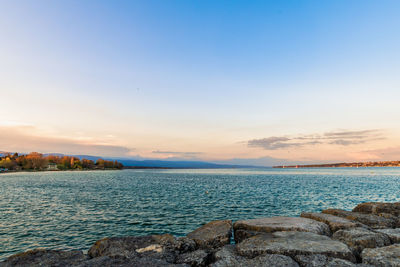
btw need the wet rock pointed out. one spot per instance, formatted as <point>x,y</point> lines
<point>394,234</point>
<point>379,207</point>
<point>152,246</point>
<point>359,238</point>
<point>275,224</point>
<point>41,257</point>
<point>227,257</point>
<point>335,223</point>
<point>372,220</point>
<point>384,256</point>
<point>212,235</point>
<point>292,244</point>
<point>198,258</point>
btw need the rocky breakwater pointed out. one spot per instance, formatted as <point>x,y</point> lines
<point>366,236</point>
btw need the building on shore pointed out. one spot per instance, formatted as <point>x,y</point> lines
<point>52,167</point>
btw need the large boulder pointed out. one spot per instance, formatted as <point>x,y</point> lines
<point>248,228</point>
<point>227,257</point>
<point>360,238</point>
<point>212,235</point>
<point>371,220</point>
<point>153,246</point>
<point>379,207</point>
<point>318,260</point>
<point>292,244</point>
<point>198,258</point>
<point>335,223</point>
<point>106,261</point>
<point>385,256</point>
<point>41,257</point>
<point>394,234</point>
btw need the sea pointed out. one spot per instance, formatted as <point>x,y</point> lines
<point>73,209</point>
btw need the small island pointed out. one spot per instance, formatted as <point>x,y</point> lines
<point>38,162</point>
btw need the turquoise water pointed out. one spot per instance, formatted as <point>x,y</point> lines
<point>74,209</point>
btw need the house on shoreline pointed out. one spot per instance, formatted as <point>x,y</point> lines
<point>52,167</point>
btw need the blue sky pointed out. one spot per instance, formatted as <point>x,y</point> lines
<point>204,77</point>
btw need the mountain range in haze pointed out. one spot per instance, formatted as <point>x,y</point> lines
<point>154,163</point>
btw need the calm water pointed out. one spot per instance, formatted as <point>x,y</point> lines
<point>74,209</point>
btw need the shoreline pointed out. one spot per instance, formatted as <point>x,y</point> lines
<point>368,234</point>
<point>72,170</point>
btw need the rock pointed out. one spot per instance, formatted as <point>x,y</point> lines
<point>241,235</point>
<point>384,256</point>
<point>198,258</point>
<point>319,260</point>
<point>185,244</point>
<point>379,207</point>
<point>270,260</point>
<point>152,246</point>
<point>212,235</point>
<point>106,261</point>
<point>41,257</point>
<point>335,223</point>
<point>226,257</point>
<point>372,220</point>
<point>394,234</point>
<point>292,244</point>
<point>359,238</point>
<point>275,224</point>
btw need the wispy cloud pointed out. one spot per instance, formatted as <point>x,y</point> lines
<point>27,139</point>
<point>342,138</point>
<point>177,153</point>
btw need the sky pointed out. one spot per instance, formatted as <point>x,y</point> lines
<point>263,82</point>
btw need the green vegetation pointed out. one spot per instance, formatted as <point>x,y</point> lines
<point>38,162</point>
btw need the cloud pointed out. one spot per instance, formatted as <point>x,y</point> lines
<point>177,153</point>
<point>342,138</point>
<point>26,139</point>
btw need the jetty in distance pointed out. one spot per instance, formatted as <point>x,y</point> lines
<point>347,165</point>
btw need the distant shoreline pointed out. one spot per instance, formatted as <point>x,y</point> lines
<point>346,165</point>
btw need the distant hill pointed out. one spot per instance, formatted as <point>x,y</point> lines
<point>150,163</point>
<point>176,164</point>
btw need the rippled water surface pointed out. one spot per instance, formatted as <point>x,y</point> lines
<point>74,209</point>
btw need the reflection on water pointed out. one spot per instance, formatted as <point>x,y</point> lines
<point>74,209</point>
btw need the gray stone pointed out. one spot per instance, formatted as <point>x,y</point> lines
<point>152,246</point>
<point>241,235</point>
<point>359,238</point>
<point>198,258</point>
<point>335,223</point>
<point>227,257</point>
<point>319,260</point>
<point>371,220</point>
<point>212,235</point>
<point>394,234</point>
<point>292,244</point>
<point>106,261</point>
<point>385,256</point>
<point>275,224</point>
<point>41,257</point>
<point>379,207</point>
